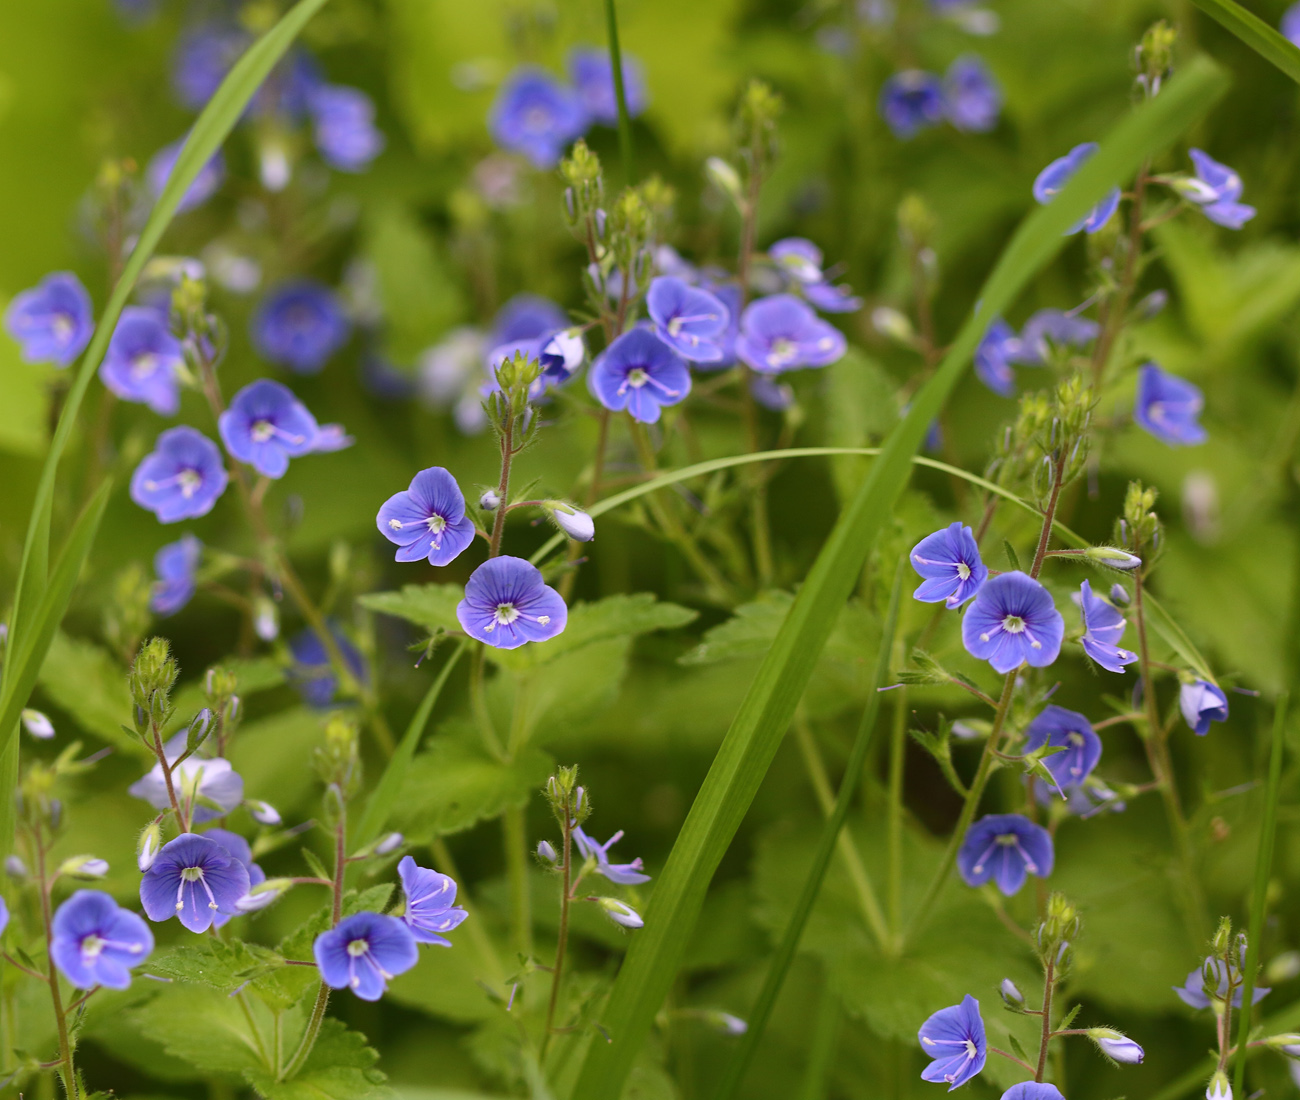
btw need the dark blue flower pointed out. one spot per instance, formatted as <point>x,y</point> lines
<point>94,941</point>
<point>143,361</point>
<point>300,325</point>
<point>427,519</point>
<point>312,674</point>
<point>911,101</point>
<point>1168,406</point>
<point>625,874</point>
<point>526,317</point>
<point>592,73</point>
<point>1221,188</point>
<point>1202,703</point>
<point>954,1038</point>
<point>507,604</point>
<point>1052,180</point>
<point>52,321</point>
<point>193,879</point>
<point>949,560</point>
<point>972,98</point>
<point>534,114</point>
<point>994,356</point>
<point>174,565</point>
<point>1073,734</point>
<point>1103,627</point>
<point>640,373</point>
<point>211,176</point>
<point>431,907</point>
<point>801,262</point>
<point>344,127</point>
<point>1192,992</point>
<point>1050,327</point>
<point>204,55</point>
<point>1005,848</point>
<point>781,333</point>
<point>364,952</point>
<point>181,478</point>
<point>1012,621</point>
<point>266,425</point>
<point>689,320</point>
<point>1033,1090</point>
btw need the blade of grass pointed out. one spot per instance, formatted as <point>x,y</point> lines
<point>1258,35</point>
<point>821,860</point>
<point>620,91</point>
<point>759,726</point>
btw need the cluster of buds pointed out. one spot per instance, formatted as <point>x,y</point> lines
<point>1047,446</point>
<point>153,674</point>
<point>203,335</point>
<point>508,409</point>
<point>584,193</point>
<point>338,763</point>
<point>219,686</point>
<point>916,228</point>
<point>1139,527</point>
<point>1058,930</point>
<point>756,127</point>
<point>1153,58</point>
<point>568,801</point>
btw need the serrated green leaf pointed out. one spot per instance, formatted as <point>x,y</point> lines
<point>203,1027</point>
<point>431,606</point>
<point>341,1066</point>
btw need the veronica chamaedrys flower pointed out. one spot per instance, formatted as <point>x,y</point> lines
<point>1168,406</point>
<point>1005,848</point>
<point>238,847</point>
<point>1073,734</point>
<point>574,522</point>
<point>174,566</point>
<point>561,354</point>
<point>625,874</point>
<point>343,127</point>
<point>266,425</point>
<point>1052,180</point>
<point>193,879</point>
<point>689,320</point>
<point>950,562</point>
<point>143,361</point>
<point>299,325</point>
<point>204,55</point>
<point>1116,1045</point>
<point>37,724</point>
<point>1202,703</point>
<point>592,73</point>
<point>364,952</point>
<point>211,778</point>
<point>507,604</point>
<point>1012,621</point>
<point>312,674</point>
<point>181,478</point>
<point>954,1038</point>
<point>1032,1090</point>
<point>431,907</point>
<point>640,373</point>
<point>1220,189</point>
<point>427,519</point>
<point>94,941</point>
<point>534,114</point>
<point>525,317</point>
<point>999,348</point>
<point>206,184</point>
<point>972,98</point>
<point>780,333</point>
<point>1103,627</point>
<point>1192,991</point>
<point>1053,327</point>
<point>800,261</point>
<point>911,101</point>
<point>52,321</point>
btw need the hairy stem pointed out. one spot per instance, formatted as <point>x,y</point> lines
<point>558,970</point>
<point>1049,983</point>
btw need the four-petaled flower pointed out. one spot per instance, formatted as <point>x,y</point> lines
<point>1193,991</point>
<point>181,478</point>
<point>972,98</point>
<point>344,127</point>
<point>781,333</point>
<point>94,941</point>
<point>507,604</point>
<point>1202,703</point>
<point>1103,627</point>
<point>142,361</point>
<point>534,114</point>
<point>238,847</point>
<point>363,952</point>
<point>1013,620</point>
<point>954,1038</point>
<point>300,325</point>
<point>911,101</point>
<point>1073,734</point>
<point>1052,180</point>
<point>266,425</point>
<point>689,320</point>
<point>999,348</point>
<point>52,321</point>
<point>625,874</point>
<point>193,879</point>
<point>431,907</point>
<point>1168,406</point>
<point>950,562</point>
<point>1220,188</point>
<point>592,73</point>
<point>1005,848</point>
<point>195,777</point>
<point>427,520</point>
<point>640,373</point>
<point>174,565</point>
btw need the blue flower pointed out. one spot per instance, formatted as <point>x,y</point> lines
<point>1033,1090</point>
<point>209,778</point>
<point>507,604</point>
<point>1202,703</point>
<point>174,565</point>
<point>312,674</point>
<point>771,394</point>
<point>1004,848</point>
<point>1050,327</point>
<point>1192,992</point>
<point>687,319</point>
<point>1221,190</point>
<point>972,98</point>
<point>625,874</point>
<point>363,952</point>
<point>427,520</point>
<point>94,941</point>
<point>1073,734</point>
<point>266,425</point>
<point>729,295</point>
<point>238,847</point>
<point>344,127</point>
<point>204,55</point>
<point>1168,406</point>
<point>1052,179</point>
<point>181,478</point>
<point>801,262</point>
<point>993,358</point>
<point>1290,26</point>
<point>431,907</point>
<point>52,321</point>
<point>781,333</point>
<point>1103,627</point>
<point>640,373</point>
<point>211,176</point>
<point>1012,621</point>
<point>592,73</point>
<point>526,317</point>
<point>193,879</point>
<point>534,114</point>
<point>300,325</point>
<point>954,1038</point>
<point>911,101</point>
<point>949,560</point>
<point>143,361</point>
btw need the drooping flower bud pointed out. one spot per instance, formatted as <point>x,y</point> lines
<point>266,619</point>
<point>88,867</point>
<point>263,894</point>
<point>146,849</point>
<point>389,843</point>
<point>1116,1045</point>
<point>620,912</point>
<point>1114,557</point>
<point>263,812</point>
<point>546,852</point>
<point>37,724</point>
<point>15,868</point>
<point>490,501</point>
<point>1288,1044</point>
<point>576,524</point>
<point>1011,995</point>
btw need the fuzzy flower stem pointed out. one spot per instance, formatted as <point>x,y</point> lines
<point>182,819</point>
<point>503,488</point>
<point>1049,985</point>
<point>561,945</point>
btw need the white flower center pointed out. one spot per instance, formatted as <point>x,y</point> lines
<point>144,365</point>
<point>506,613</point>
<point>262,431</point>
<point>190,483</point>
<point>783,350</point>
<point>91,946</point>
<point>636,378</point>
<point>963,570</point>
<point>1013,624</point>
<point>358,947</point>
<point>436,523</point>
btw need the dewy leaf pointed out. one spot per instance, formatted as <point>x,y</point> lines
<point>1258,35</point>
<point>747,750</point>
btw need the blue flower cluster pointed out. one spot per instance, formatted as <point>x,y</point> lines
<point>968,97</point>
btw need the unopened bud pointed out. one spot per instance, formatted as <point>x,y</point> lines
<point>84,867</point>
<point>146,850</point>
<point>1193,189</point>
<point>725,1021</point>
<point>1119,595</point>
<point>263,812</point>
<point>1113,556</point>
<point>490,501</point>
<point>546,852</point>
<point>893,324</point>
<point>389,844</point>
<point>37,724</point>
<point>15,868</point>
<point>726,179</point>
<point>1011,995</point>
<point>1218,1088</point>
<point>576,524</point>
<point>266,619</point>
<point>263,894</point>
<point>1288,1044</point>
<point>198,730</point>
<point>620,912</point>
<point>1116,1045</point>
<point>1282,968</point>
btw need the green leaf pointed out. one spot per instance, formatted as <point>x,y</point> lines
<point>747,750</point>
<point>1010,552</point>
<point>431,606</point>
<point>1258,35</point>
<point>203,1027</point>
<point>87,681</point>
<point>341,1066</point>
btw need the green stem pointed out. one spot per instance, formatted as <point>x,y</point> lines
<point>1049,982</point>
<point>478,703</point>
<point>514,836</point>
<point>620,92</point>
<point>897,753</point>
<point>821,1053</point>
<point>558,970</point>
<point>67,1070</point>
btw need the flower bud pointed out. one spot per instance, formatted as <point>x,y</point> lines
<point>15,868</point>
<point>893,324</point>
<point>37,724</point>
<point>1116,1045</point>
<point>263,894</point>
<point>724,1021</point>
<point>263,812</point>
<point>1288,1044</point>
<point>389,844</point>
<point>84,867</point>
<point>1011,995</point>
<point>266,618</point>
<point>1118,595</point>
<point>726,179</point>
<point>1152,305</point>
<point>146,849</point>
<point>546,852</point>
<point>198,730</point>
<point>490,501</point>
<point>620,913</point>
<point>576,524</point>
<point>1218,1088</point>
<point>1113,556</point>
